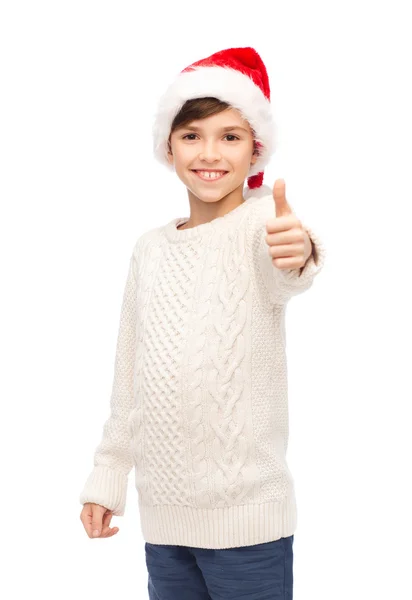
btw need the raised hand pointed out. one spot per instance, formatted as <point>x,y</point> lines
<point>288,241</point>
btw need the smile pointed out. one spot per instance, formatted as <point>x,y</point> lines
<point>210,175</point>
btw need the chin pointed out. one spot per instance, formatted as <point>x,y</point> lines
<point>211,195</point>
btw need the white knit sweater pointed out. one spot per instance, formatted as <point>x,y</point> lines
<point>199,404</point>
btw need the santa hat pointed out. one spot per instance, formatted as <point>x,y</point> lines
<point>237,76</point>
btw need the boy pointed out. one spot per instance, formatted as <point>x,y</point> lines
<point>199,399</point>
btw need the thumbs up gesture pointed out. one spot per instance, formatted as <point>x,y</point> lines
<point>288,241</point>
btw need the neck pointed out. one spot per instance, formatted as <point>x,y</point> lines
<point>202,211</point>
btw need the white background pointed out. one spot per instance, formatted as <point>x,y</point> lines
<point>79,86</point>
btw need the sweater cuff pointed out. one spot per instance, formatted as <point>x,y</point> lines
<point>107,487</point>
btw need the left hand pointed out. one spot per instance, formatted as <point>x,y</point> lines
<point>288,241</point>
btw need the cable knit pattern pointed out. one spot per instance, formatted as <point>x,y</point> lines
<point>226,383</point>
<point>199,403</point>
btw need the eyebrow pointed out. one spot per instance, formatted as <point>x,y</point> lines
<point>228,128</point>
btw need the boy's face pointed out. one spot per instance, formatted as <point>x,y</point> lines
<point>221,142</point>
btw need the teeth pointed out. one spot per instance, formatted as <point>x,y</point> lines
<point>211,174</point>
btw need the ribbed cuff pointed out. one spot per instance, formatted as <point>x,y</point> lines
<point>107,487</point>
<point>227,527</point>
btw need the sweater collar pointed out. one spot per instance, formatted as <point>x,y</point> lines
<point>228,220</point>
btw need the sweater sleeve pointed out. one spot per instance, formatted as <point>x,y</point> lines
<point>282,284</point>
<point>107,482</point>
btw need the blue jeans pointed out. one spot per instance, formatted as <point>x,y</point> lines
<point>259,572</point>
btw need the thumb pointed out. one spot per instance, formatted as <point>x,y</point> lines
<point>97,519</point>
<point>282,207</point>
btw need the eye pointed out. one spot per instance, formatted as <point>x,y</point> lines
<point>191,136</point>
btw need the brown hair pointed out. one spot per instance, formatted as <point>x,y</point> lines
<point>199,108</point>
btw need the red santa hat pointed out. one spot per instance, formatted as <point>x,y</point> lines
<point>237,76</point>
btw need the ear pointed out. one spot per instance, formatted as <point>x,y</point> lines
<point>254,158</point>
<point>169,154</point>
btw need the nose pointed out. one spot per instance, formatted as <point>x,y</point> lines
<point>209,152</point>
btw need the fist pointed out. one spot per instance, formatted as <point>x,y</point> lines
<point>288,241</point>
<point>96,520</point>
